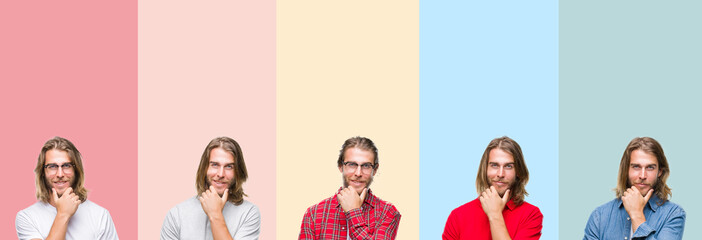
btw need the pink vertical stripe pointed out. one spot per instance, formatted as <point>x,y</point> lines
<point>69,69</point>
<point>206,69</point>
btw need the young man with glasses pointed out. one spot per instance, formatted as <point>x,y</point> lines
<point>219,211</point>
<point>354,212</point>
<point>63,210</point>
<point>500,211</point>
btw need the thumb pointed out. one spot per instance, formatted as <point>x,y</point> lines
<point>225,196</point>
<point>364,193</point>
<point>648,195</point>
<point>505,198</point>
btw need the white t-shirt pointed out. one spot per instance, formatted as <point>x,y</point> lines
<point>187,220</point>
<point>89,222</point>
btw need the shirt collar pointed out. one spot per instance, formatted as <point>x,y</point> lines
<point>510,205</point>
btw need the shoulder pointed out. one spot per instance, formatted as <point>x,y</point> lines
<point>672,207</point>
<point>528,207</point>
<point>189,205</point>
<point>31,212</point>
<point>324,204</point>
<point>606,210</point>
<point>386,206</point>
<point>93,207</point>
<point>37,207</point>
<point>468,208</point>
<point>245,208</point>
<point>614,203</point>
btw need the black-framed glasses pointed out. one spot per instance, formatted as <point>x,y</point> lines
<point>365,168</point>
<point>52,168</point>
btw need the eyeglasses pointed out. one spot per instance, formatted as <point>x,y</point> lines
<point>52,168</point>
<point>365,168</point>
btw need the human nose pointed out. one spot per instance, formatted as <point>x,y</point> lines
<point>358,171</point>
<point>59,172</point>
<point>642,174</point>
<point>501,172</point>
<point>220,172</point>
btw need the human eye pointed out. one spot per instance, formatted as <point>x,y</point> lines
<point>494,165</point>
<point>651,167</point>
<point>367,166</point>
<point>214,164</point>
<point>51,166</point>
<point>67,165</point>
<point>229,166</point>
<point>352,164</point>
<point>637,167</point>
<point>509,166</point>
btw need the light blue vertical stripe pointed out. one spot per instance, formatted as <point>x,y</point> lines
<point>487,69</point>
<point>628,69</point>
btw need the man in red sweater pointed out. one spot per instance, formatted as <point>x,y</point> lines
<point>500,211</point>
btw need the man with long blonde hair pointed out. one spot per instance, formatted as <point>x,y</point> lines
<point>63,210</point>
<point>642,209</point>
<point>500,211</point>
<point>219,211</point>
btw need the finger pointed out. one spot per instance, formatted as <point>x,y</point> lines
<point>363,194</point>
<point>648,195</point>
<point>69,190</point>
<point>225,195</point>
<point>53,190</point>
<point>505,198</point>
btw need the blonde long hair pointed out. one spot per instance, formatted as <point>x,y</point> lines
<point>518,189</point>
<point>650,146</point>
<point>42,185</point>
<point>236,191</point>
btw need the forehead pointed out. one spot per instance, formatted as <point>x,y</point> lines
<point>643,158</point>
<point>497,155</point>
<point>221,156</point>
<point>358,155</point>
<point>57,156</point>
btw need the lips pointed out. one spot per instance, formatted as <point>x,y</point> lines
<point>219,183</point>
<point>499,183</point>
<point>358,183</point>
<point>60,183</point>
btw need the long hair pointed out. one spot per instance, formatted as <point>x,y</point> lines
<point>236,191</point>
<point>360,143</point>
<point>518,189</point>
<point>650,146</point>
<point>42,185</point>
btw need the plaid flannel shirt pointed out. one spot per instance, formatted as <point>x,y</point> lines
<point>376,219</point>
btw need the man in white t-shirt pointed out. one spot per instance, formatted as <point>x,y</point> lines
<point>219,212</point>
<point>63,210</point>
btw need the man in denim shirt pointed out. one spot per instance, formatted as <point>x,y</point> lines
<point>641,209</point>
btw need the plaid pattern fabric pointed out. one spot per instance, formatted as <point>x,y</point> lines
<point>326,220</point>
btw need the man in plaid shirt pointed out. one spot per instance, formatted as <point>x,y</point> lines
<point>354,212</point>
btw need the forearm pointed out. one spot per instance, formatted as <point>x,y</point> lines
<point>59,228</point>
<point>498,229</point>
<point>360,229</point>
<point>637,220</point>
<point>219,228</point>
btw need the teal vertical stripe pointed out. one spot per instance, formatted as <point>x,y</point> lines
<point>627,69</point>
<point>487,69</point>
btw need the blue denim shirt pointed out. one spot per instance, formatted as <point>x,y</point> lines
<point>610,221</point>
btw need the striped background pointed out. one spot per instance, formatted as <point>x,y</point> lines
<point>141,87</point>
